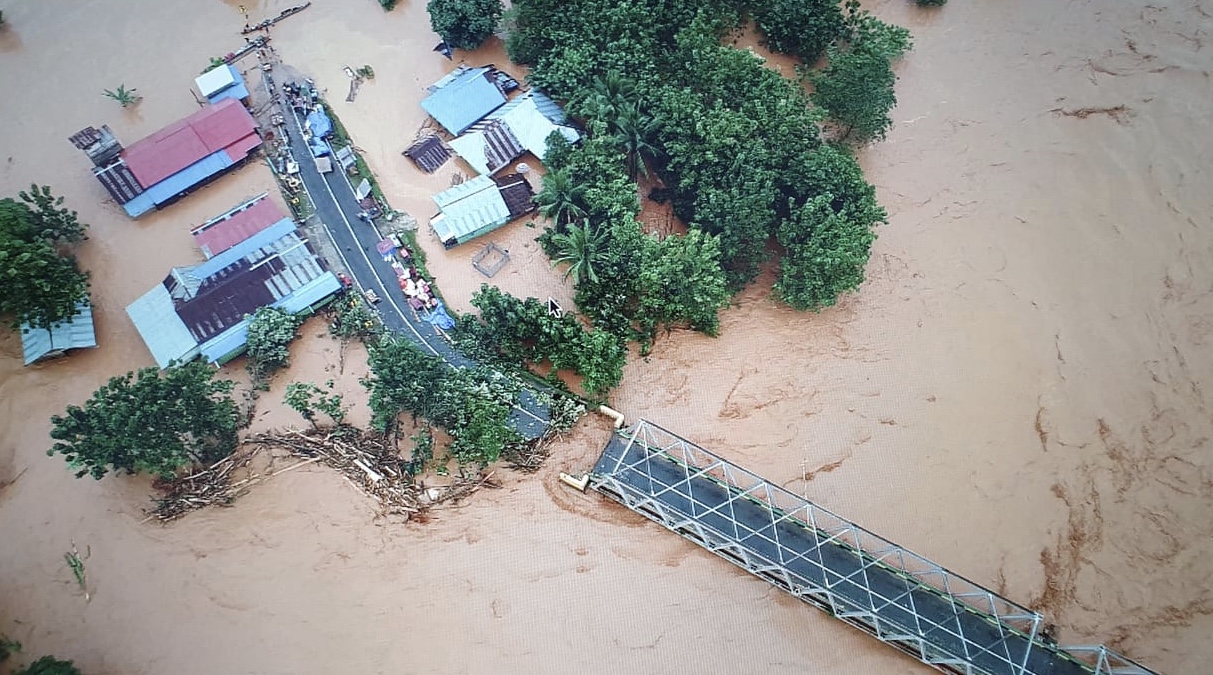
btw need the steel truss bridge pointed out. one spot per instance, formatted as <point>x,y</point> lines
<point>895,595</point>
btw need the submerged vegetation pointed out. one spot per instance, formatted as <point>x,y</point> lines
<point>735,147</point>
<point>125,97</point>
<point>464,24</point>
<point>40,282</point>
<point>149,422</point>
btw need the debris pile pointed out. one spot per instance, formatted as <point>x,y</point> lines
<point>368,461</point>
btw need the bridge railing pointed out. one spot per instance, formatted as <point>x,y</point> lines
<point>918,573</point>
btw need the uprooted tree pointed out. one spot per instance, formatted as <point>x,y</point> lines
<point>149,422</point>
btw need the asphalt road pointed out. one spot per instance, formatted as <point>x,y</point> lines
<point>334,199</point>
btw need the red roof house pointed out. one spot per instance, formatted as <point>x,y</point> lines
<point>223,232</point>
<point>227,126</point>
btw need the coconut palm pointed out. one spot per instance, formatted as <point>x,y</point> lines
<point>561,198</point>
<point>607,95</point>
<point>582,247</point>
<point>633,128</point>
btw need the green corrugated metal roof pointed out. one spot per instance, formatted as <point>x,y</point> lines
<point>469,210</point>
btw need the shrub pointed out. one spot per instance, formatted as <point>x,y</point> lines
<point>269,337</point>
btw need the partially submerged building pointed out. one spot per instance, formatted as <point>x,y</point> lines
<point>236,225</point>
<point>480,206</point>
<point>221,83</point>
<point>155,171</point>
<point>520,126</point>
<point>74,333</point>
<point>464,97</point>
<point>204,310</point>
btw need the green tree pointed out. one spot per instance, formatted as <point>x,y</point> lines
<point>149,422</point>
<point>307,399</point>
<point>49,665</point>
<point>464,24</point>
<point>53,222</point>
<point>826,253</point>
<point>606,97</point>
<point>866,31</point>
<point>803,28</point>
<point>634,130</point>
<point>682,281</point>
<point>39,282</point>
<point>561,198</point>
<point>353,318</point>
<point>404,378</point>
<point>931,3</point>
<point>269,338</point>
<point>581,247</point>
<point>856,90</point>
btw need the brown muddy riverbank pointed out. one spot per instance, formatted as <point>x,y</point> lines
<point>1017,392</point>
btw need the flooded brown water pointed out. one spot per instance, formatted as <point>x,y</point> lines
<point>1016,392</point>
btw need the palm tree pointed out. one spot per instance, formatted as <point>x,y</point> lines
<point>607,95</point>
<point>124,96</point>
<point>582,247</point>
<point>633,128</point>
<point>561,198</point>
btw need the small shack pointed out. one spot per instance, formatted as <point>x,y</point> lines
<point>222,82</point>
<point>478,207</point>
<point>75,333</point>
<point>428,153</point>
<point>463,98</point>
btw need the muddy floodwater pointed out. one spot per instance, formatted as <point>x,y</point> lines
<point>1018,391</point>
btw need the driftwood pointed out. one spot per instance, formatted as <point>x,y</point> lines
<point>211,486</point>
<point>367,461</point>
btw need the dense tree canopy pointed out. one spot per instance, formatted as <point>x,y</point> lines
<point>149,422</point>
<point>731,142</point>
<point>464,24</point>
<point>39,282</point>
<point>270,333</point>
<point>524,330</point>
<point>472,404</point>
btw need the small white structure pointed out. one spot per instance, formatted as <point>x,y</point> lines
<point>222,82</point>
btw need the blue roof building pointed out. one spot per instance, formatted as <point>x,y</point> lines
<point>521,125</point>
<point>75,333</point>
<point>204,309</point>
<point>463,98</point>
